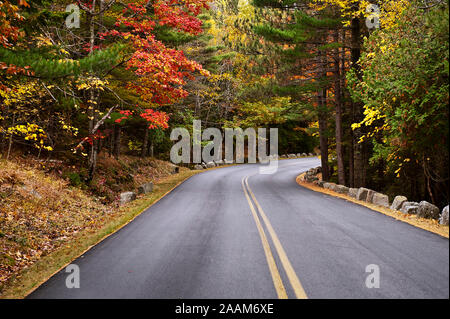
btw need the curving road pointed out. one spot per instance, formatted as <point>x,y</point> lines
<point>233,233</point>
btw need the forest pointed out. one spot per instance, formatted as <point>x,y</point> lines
<point>91,89</point>
<point>366,83</point>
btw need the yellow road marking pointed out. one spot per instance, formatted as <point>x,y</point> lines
<point>292,276</point>
<point>277,282</point>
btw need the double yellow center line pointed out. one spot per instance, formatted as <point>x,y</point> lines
<point>289,270</point>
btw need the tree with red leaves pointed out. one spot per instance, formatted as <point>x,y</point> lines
<point>159,72</point>
<point>10,18</point>
<point>115,55</point>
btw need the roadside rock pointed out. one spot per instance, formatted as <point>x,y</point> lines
<point>311,178</point>
<point>304,154</point>
<point>210,164</point>
<point>310,154</point>
<point>341,189</point>
<point>198,167</point>
<point>330,186</point>
<point>362,193</point>
<point>333,187</point>
<point>380,199</point>
<point>228,161</point>
<point>398,202</point>
<point>219,162</point>
<point>315,170</point>
<point>204,165</point>
<point>352,192</point>
<point>411,210</point>
<point>443,219</point>
<point>427,210</point>
<point>127,197</point>
<point>145,188</point>
<point>370,196</point>
<point>175,170</point>
<point>409,207</point>
<point>320,183</point>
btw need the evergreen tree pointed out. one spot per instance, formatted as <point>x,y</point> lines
<point>303,44</point>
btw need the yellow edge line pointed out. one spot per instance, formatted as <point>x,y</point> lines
<point>277,282</point>
<point>292,276</point>
<point>106,236</point>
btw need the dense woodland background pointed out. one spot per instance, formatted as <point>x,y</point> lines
<point>373,100</point>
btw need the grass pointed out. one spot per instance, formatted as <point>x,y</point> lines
<point>22,284</point>
<point>430,225</point>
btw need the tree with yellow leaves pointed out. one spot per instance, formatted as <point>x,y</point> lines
<point>404,89</point>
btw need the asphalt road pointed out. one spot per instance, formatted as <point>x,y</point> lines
<point>234,233</point>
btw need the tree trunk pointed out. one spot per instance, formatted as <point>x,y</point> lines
<point>151,149</point>
<point>358,149</point>
<point>145,143</point>
<point>322,116</point>
<point>92,163</point>
<point>93,160</point>
<point>117,131</point>
<point>358,160</point>
<point>323,134</point>
<point>338,102</point>
<point>351,162</point>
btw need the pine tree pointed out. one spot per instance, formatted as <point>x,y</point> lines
<point>304,44</point>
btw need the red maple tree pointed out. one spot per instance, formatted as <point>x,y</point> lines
<point>161,71</point>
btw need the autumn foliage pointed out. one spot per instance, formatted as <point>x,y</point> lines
<point>77,67</point>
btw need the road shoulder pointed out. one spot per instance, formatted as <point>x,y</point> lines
<point>32,277</point>
<point>422,223</point>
